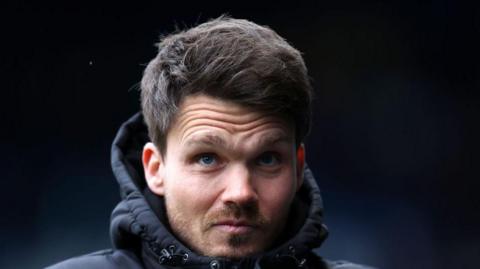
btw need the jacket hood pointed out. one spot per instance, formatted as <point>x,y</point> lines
<point>138,222</point>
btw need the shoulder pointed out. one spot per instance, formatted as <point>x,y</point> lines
<point>104,259</point>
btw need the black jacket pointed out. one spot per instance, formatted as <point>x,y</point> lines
<point>142,239</point>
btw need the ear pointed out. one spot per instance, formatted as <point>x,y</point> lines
<point>300,165</point>
<point>153,167</point>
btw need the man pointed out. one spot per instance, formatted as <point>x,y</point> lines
<point>223,183</point>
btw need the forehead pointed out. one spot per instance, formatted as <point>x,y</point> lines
<point>199,113</point>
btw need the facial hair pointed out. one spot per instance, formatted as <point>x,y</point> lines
<point>237,244</point>
<point>248,213</point>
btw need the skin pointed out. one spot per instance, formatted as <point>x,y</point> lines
<point>228,176</point>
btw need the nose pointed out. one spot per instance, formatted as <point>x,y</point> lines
<point>239,188</point>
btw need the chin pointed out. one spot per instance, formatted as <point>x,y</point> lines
<point>240,247</point>
<point>232,247</point>
<point>235,253</point>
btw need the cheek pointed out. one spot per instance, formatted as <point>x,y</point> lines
<point>277,196</point>
<point>187,193</point>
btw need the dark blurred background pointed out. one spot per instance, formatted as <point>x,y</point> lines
<point>394,146</point>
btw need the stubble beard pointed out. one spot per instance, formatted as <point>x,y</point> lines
<point>194,235</point>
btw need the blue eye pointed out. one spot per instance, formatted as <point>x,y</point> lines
<point>268,159</point>
<point>207,159</point>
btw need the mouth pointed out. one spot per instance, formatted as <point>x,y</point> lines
<point>235,226</point>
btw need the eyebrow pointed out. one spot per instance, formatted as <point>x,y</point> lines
<point>274,138</point>
<point>213,140</point>
<point>207,140</point>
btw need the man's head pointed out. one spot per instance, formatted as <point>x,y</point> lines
<point>229,59</point>
<point>227,104</point>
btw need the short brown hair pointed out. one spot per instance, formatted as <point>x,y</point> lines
<point>231,59</point>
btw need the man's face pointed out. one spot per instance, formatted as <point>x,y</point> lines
<point>228,177</point>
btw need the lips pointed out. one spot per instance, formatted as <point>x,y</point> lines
<point>235,226</point>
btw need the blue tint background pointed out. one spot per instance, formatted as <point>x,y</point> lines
<point>394,146</point>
